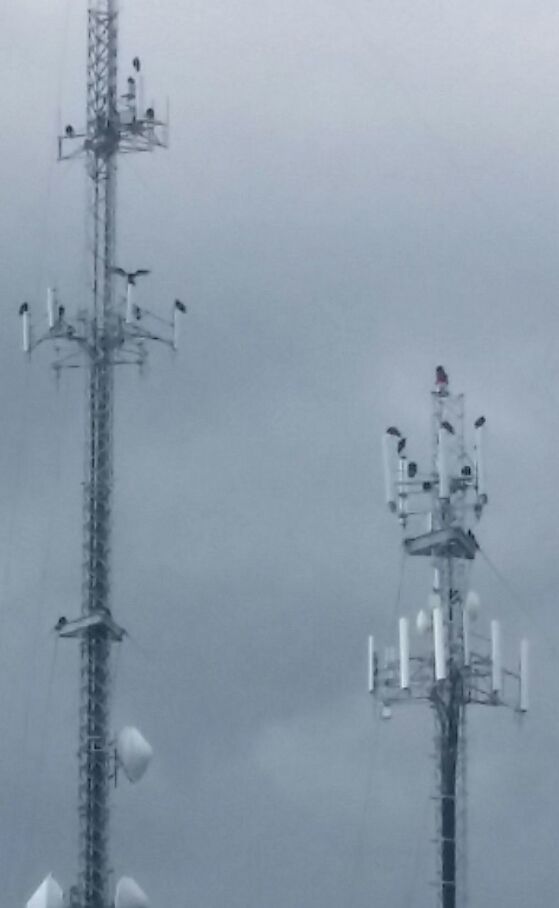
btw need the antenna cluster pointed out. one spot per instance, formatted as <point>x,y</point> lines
<point>449,666</point>
<point>453,475</point>
<point>128,331</point>
<point>137,127</point>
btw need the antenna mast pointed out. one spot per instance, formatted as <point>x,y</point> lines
<point>441,506</point>
<point>106,333</point>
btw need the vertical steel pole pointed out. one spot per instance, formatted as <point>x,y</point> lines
<point>449,719</point>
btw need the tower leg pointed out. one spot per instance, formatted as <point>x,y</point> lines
<point>94,747</point>
<point>449,738</point>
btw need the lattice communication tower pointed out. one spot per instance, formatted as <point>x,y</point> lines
<point>111,330</point>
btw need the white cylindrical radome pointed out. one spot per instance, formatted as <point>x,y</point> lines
<point>443,465</point>
<point>524,677</point>
<point>404,640</point>
<point>480,463</point>
<point>496,658</point>
<point>388,451</point>
<point>439,644</point>
<point>50,307</point>
<point>129,303</point>
<point>371,664</point>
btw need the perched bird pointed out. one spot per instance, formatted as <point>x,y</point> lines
<point>131,275</point>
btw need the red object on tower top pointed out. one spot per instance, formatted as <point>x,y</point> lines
<point>441,380</point>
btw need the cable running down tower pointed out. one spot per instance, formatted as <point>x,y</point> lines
<point>110,331</point>
<point>437,511</point>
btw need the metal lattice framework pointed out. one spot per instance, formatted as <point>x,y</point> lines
<point>452,667</point>
<point>108,332</point>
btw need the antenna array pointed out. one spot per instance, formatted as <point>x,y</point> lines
<point>452,667</point>
<point>110,331</point>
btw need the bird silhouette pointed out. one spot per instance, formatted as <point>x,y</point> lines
<point>131,275</point>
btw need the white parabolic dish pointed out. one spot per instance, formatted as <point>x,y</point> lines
<point>134,753</point>
<point>129,895</point>
<point>48,895</point>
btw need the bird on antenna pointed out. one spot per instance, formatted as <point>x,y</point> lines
<point>441,379</point>
<point>131,275</point>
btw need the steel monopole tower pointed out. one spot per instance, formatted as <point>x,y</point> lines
<point>449,667</point>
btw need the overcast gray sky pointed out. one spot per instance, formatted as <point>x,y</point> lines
<point>354,193</point>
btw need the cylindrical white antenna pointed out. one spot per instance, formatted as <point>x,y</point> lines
<point>404,639</point>
<point>25,327</point>
<point>129,302</point>
<point>51,305</point>
<point>466,635</point>
<point>439,644</point>
<point>480,460</point>
<point>443,465</point>
<point>175,330</point>
<point>434,600</point>
<point>402,487</point>
<point>496,664</point>
<point>388,448</point>
<point>524,699</point>
<point>371,664</point>
<point>178,310</point>
<point>141,94</point>
<point>132,95</point>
